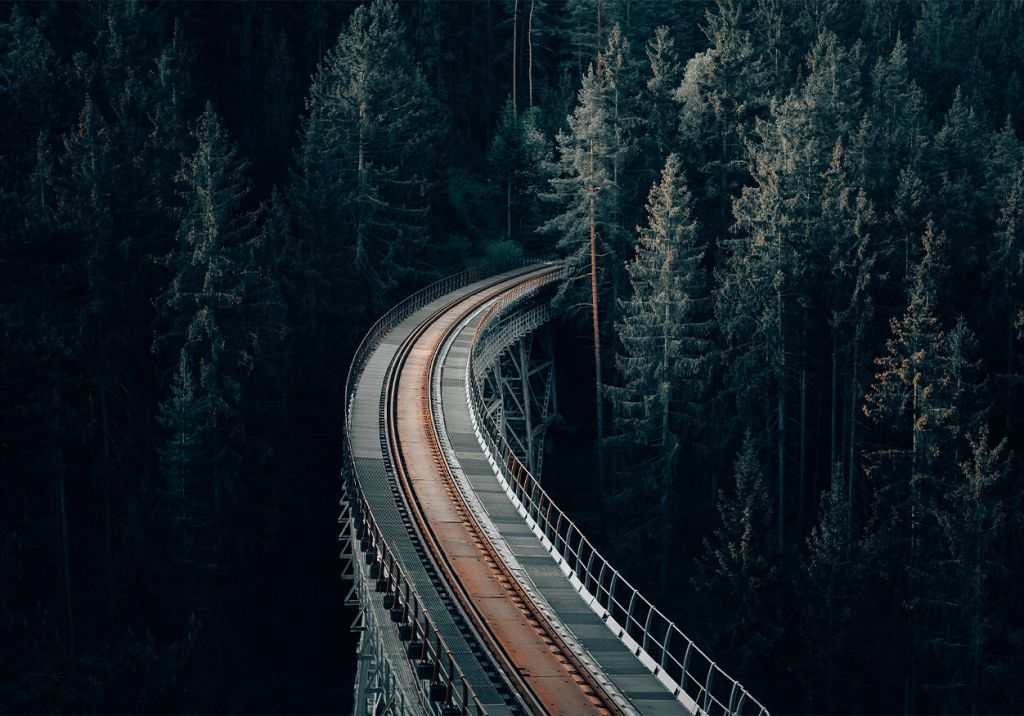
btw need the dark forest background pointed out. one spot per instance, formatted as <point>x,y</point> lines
<point>810,237</point>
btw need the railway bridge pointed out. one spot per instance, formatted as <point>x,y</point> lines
<point>476,594</point>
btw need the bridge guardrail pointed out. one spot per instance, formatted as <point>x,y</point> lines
<point>672,657</point>
<point>425,645</point>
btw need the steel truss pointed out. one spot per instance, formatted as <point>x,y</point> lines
<point>520,392</point>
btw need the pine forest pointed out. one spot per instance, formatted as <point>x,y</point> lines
<point>790,346</point>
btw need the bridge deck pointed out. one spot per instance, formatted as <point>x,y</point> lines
<point>365,430</point>
<point>532,563</point>
<point>581,634</point>
<point>529,651</point>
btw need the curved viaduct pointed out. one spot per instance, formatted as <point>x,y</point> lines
<point>476,593</point>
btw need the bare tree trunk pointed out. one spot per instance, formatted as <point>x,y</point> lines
<point>361,179</point>
<point>781,408</point>
<point>803,449</point>
<point>515,43</point>
<point>508,207</point>
<point>723,183</point>
<point>854,400</point>
<point>802,485</point>
<point>529,50</point>
<point>667,440</point>
<point>597,332</point>
<point>1009,372</point>
<point>833,409</point>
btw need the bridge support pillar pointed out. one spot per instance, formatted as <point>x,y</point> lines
<point>520,393</point>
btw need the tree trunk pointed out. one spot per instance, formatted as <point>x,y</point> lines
<point>723,184</point>
<point>529,50</point>
<point>1009,372</point>
<point>515,42</point>
<point>852,458</point>
<point>803,450</point>
<point>781,408</point>
<point>666,467</point>
<point>508,207</point>
<point>833,409</point>
<point>361,182</point>
<point>597,332</point>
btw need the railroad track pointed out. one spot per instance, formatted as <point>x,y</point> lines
<point>484,595</point>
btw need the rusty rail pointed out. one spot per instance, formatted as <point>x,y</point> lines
<point>416,627</point>
<point>673,658</point>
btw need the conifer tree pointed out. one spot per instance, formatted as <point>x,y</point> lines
<point>657,100</point>
<point>896,123</point>
<point>723,90</point>
<point>210,324</point>
<point>1005,276</point>
<point>766,288</point>
<point>847,220</point>
<point>967,625</point>
<point>737,569</point>
<point>171,86</point>
<point>517,154</point>
<point>829,592</point>
<point>911,397</point>
<point>587,197</point>
<point>368,160</point>
<point>663,329</point>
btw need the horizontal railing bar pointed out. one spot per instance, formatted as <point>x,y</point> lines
<point>497,325</point>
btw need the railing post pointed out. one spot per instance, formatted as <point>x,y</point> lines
<point>686,665</point>
<point>629,609</point>
<point>664,646</point>
<point>647,625</point>
<point>707,687</point>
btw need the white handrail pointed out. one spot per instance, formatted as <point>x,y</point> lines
<point>672,657</point>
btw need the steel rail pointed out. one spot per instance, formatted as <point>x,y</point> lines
<point>539,623</point>
<point>415,625</point>
<point>683,668</point>
<point>397,461</point>
<point>426,534</point>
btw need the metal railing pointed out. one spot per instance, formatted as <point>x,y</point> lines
<point>448,686</point>
<point>672,657</point>
<point>425,647</point>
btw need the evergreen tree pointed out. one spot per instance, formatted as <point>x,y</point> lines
<point>173,98</point>
<point>584,189</point>
<point>368,160</point>
<point>911,397</point>
<point>777,263</point>
<point>848,217</point>
<point>956,170</point>
<point>829,593</point>
<point>209,322</point>
<point>664,330</point>
<point>897,123</point>
<point>1005,277</point>
<point>517,154</point>
<point>968,628</point>
<point>657,99</point>
<point>737,570</point>
<point>723,91</point>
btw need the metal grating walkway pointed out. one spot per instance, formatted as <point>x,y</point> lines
<point>527,557</point>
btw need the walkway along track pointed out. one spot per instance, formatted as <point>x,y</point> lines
<point>457,674</point>
<point>489,622</point>
<point>544,672</point>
